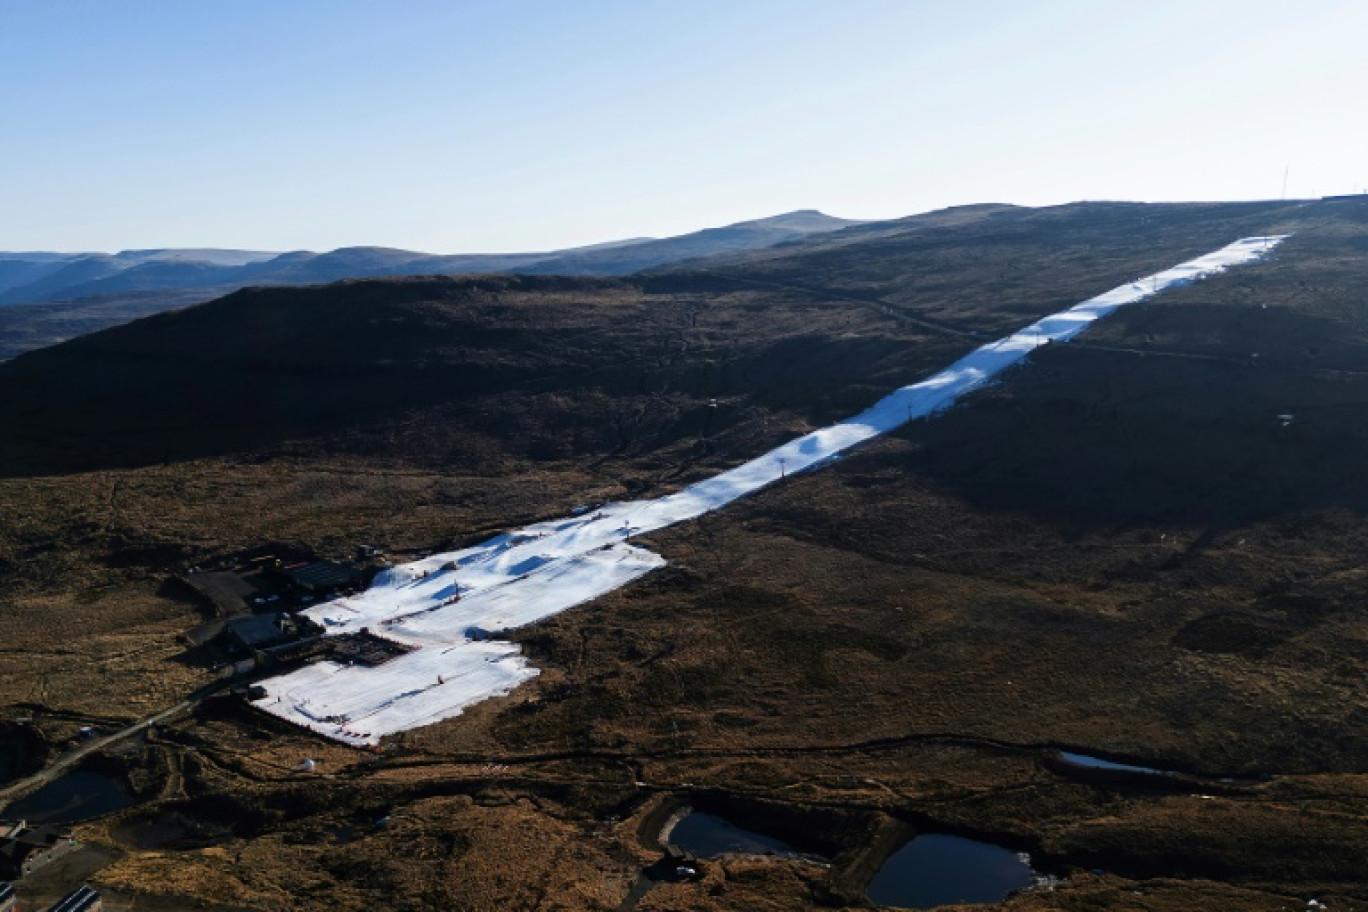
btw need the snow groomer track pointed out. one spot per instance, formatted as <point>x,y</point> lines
<point>449,606</point>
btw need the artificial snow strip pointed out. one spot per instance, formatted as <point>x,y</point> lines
<point>448,606</point>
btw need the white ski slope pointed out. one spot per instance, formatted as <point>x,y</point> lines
<point>449,605</point>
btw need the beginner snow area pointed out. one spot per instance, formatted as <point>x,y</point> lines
<point>448,606</point>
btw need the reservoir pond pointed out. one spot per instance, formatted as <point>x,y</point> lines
<point>936,870</point>
<point>708,836</point>
<point>1090,762</point>
<point>76,796</point>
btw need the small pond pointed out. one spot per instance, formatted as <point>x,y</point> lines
<point>935,870</point>
<point>708,836</point>
<point>76,796</point>
<point>1098,763</point>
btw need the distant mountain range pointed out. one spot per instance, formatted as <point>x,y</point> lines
<point>27,278</point>
<point>31,277</point>
<point>46,298</point>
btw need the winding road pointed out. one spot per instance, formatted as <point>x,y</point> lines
<point>72,758</point>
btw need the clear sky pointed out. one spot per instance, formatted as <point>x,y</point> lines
<point>452,126</point>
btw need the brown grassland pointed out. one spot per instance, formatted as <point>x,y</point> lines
<point>1120,549</point>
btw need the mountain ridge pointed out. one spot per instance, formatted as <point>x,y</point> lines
<point>46,298</point>
<point>56,276</point>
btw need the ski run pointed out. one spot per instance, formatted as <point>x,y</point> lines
<point>447,607</point>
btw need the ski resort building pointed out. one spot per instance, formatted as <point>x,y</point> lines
<point>83,899</point>
<point>262,631</point>
<point>226,591</point>
<point>24,848</point>
<point>319,577</point>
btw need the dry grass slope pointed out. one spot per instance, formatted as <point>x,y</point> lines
<point>1120,549</point>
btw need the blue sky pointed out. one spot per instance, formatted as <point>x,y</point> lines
<point>535,124</point>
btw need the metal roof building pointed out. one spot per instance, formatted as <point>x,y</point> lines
<point>83,899</point>
<point>319,576</point>
<point>23,848</point>
<point>258,631</point>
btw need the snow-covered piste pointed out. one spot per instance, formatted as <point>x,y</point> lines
<point>449,605</point>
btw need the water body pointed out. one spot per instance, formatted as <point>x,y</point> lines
<point>935,870</point>
<point>76,796</point>
<point>708,836</point>
<point>1099,763</point>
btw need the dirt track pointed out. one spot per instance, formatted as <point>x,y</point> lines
<point>94,745</point>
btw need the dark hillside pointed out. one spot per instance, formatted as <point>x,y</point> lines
<point>986,264</point>
<point>1239,398</point>
<point>26,327</point>
<point>565,367</point>
<point>355,360</point>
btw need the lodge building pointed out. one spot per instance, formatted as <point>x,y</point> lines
<point>25,848</point>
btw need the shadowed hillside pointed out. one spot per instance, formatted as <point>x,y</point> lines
<point>264,367</point>
<point>538,367</point>
<point>1242,398</point>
